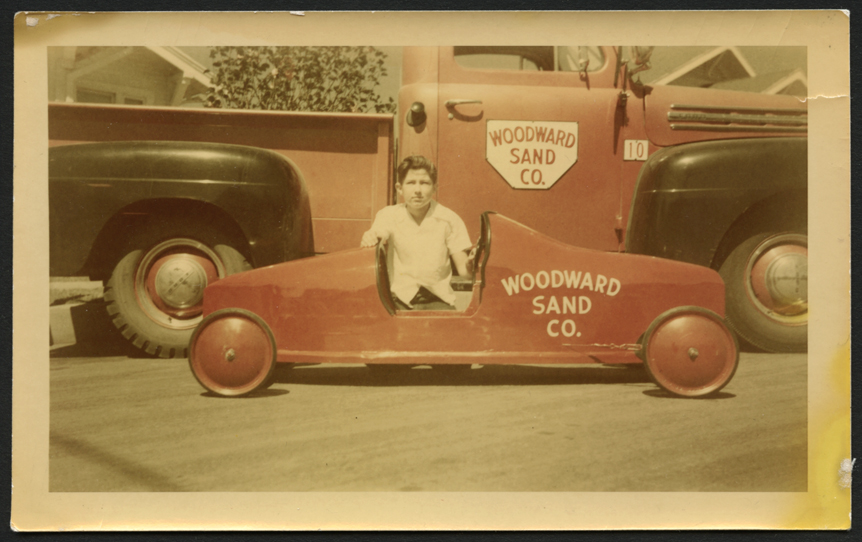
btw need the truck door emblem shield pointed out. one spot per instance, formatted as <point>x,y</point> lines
<point>531,155</point>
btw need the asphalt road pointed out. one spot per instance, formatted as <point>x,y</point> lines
<point>126,424</point>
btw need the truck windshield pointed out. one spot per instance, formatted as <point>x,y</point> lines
<point>527,58</point>
<point>506,58</point>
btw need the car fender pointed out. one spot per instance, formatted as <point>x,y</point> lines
<point>688,196</point>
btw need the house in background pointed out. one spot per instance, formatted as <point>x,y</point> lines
<point>696,66</point>
<point>175,76</point>
<point>767,70</point>
<point>154,76</point>
<point>793,83</point>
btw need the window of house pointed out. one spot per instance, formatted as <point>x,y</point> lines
<point>111,94</point>
<point>91,96</point>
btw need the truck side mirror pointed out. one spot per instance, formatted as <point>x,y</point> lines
<point>583,60</point>
<point>642,56</point>
<point>416,114</point>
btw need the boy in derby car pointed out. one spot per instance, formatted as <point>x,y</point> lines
<point>424,235</point>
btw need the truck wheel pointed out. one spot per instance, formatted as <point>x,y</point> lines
<point>690,352</point>
<point>766,280</point>
<point>233,353</point>
<point>155,293</point>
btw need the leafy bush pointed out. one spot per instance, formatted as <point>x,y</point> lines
<point>337,79</point>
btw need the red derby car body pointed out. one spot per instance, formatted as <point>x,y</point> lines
<point>533,300</point>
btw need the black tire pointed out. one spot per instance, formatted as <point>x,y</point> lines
<point>766,281</point>
<point>161,325</point>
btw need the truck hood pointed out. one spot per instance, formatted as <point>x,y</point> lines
<point>675,115</point>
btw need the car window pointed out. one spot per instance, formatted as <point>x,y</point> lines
<point>526,58</point>
<point>506,58</point>
<point>496,62</point>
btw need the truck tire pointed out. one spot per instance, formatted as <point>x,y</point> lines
<point>155,293</point>
<point>766,281</point>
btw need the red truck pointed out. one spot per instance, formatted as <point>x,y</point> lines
<point>562,139</point>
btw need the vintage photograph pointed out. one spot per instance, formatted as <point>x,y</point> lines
<point>495,268</point>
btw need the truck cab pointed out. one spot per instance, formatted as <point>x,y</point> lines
<point>566,140</point>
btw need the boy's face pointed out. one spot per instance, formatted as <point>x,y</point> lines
<point>416,189</point>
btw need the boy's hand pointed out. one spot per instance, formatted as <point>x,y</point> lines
<point>471,260</point>
<point>369,239</point>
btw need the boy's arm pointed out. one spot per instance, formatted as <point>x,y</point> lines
<point>369,239</point>
<point>459,244</point>
<point>460,258</point>
<point>379,230</point>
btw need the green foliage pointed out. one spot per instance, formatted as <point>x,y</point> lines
<point>336,79</point>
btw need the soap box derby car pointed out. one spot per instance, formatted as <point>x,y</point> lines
<point>532,300</point>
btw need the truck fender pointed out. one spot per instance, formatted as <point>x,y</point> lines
<point>740,207</point>
<point>689,197</point>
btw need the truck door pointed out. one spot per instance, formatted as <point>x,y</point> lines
<point>523,132</point>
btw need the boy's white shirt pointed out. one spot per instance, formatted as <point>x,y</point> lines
<point>421,251</point>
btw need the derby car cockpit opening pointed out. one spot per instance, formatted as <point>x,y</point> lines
<point>468,290</point>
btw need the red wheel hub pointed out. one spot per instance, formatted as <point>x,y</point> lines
<point>690,352</point>
<point>232,352</point>
<point>171,278</point>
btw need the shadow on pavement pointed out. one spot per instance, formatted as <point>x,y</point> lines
<point>660,393</point>
<point>259,394</point>
<point>487,375</point>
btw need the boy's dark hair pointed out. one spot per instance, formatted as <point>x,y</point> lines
<point>416,162</point>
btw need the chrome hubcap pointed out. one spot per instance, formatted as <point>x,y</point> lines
<point>180,282</point>
<point>777,278</point>
<point>787,282</point>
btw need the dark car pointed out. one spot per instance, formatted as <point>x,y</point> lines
<point>158,221</point>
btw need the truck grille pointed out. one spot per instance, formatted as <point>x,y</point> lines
<point>737,119</point>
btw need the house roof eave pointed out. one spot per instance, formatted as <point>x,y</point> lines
<point>183,62</point>
<point>705,57</point>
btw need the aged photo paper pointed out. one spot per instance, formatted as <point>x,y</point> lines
<point>306,454</point>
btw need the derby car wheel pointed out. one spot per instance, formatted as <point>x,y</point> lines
<point>233,353</point>
<point>690,352</point>
<point>155,294</point>
<point>766,278</point>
